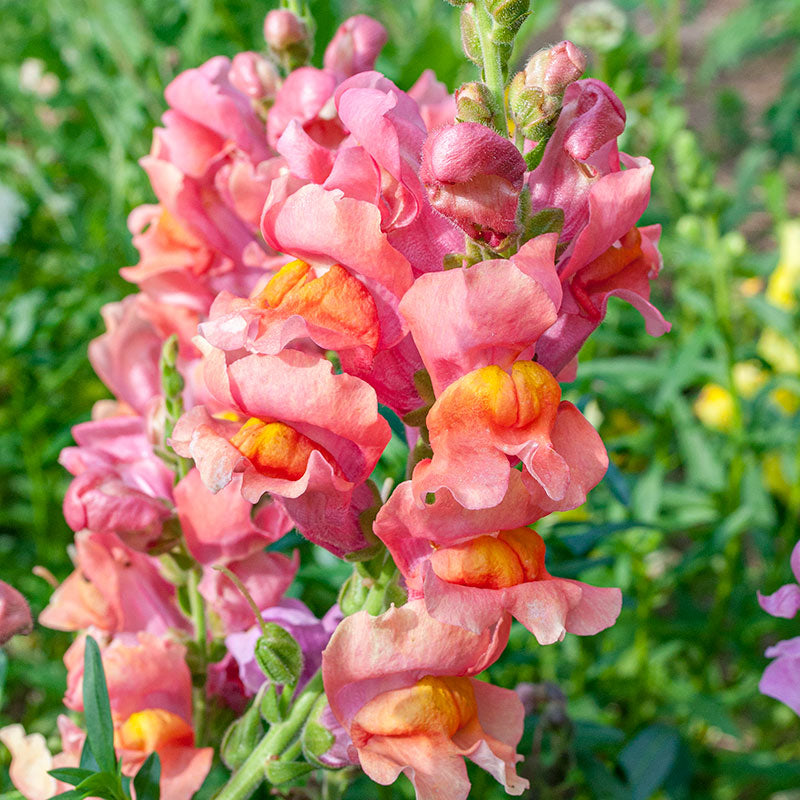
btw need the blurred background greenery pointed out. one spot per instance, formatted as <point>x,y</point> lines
<point>700,508</point>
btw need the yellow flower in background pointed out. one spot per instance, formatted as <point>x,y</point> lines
<point>750,287</point>
<point>714,407</point>
<point>786,399</point>
<point>774,475</point>
<point>748,378</point>
<point>779,352</point>
<point>783,285</point>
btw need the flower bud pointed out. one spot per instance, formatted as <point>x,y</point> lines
<point>287,37</point>
<point>470,38</point>
<point>536,93</point>
<point>475,103</point>
<point>473,177</point>
<point>355,45</point>
<point>279,655</point>
<point>508,13</point>
<point>254,75</point>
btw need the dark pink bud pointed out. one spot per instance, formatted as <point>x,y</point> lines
<point>254,75</point>
<point>599,117</point>
<point>283,28</point>
<point>15,615</point>
<point>355,45</point>
<point>474,177</point>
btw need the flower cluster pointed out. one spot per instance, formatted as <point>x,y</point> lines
<point>327,246</point>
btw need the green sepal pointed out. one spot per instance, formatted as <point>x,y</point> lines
<point>279,655</point>
<point>270,706</point>
<point>278,772</point>
<point>242,735</point>
<point>316,739</point>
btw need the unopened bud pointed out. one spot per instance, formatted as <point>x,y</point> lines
<point>536,94</point>
<point>474,177</point>
<point>287,37</point>
<point>355,46</point>
<point>470,38</point>
<point>279,655</point>
<point>254,75</point>
<point>324,740</point>
<point>475,103</point>
<point>508,13</point>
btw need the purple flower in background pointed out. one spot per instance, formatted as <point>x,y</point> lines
<point>312,635</point>
<point>781,679</point>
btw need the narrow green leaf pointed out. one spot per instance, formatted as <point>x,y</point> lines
<point>88,761</point>
<point>99,727</point>
<point>147,781</point>
<point>71,775</point>
<point>278,772</point>
<point>72,794</point>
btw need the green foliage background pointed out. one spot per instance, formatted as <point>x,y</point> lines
<point>665,704</point>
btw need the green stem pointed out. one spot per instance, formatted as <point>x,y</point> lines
<point>492,67</point>
<point>250,774</point>
<point>198,610</point>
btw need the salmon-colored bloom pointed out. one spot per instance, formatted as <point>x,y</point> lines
<point>113,588</point>
<point>149,713</point>
<point>464,319</point>
<point>333,309</point>
<point>483,421</point>
<point>473,567</point>
<point>224,526</point>
<point>295,430</point>
<point>402,686</point>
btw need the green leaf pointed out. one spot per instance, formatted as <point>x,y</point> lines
<point>99,727</point>
<point>648,759</point>
<point>147,782</point>
<point>88,761</point>
<point>71,775</point>
<point>72,794</point>
<point>104,785</point>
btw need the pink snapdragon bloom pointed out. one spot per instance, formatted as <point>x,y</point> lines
<point>254,75</point>
<point>437,106</point>
<point>581,173</point>
<point>149,713</point>
<point>295,430</point>
<point>355,46</point>
<point>210,125</point>
<point>487,418</point>
<point>465,319</point>
<point>265,575</point>
<point>474,177</point>
<point>223,526</point>
<point>402,686</point>
<point>311,634</point>
<point>15,613</point>
<point>126,356</point>
<point>113,588</point>
<point>781,679</point>
<point>120,485</point>
<point>378,163</point>
<point>473,567</point>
